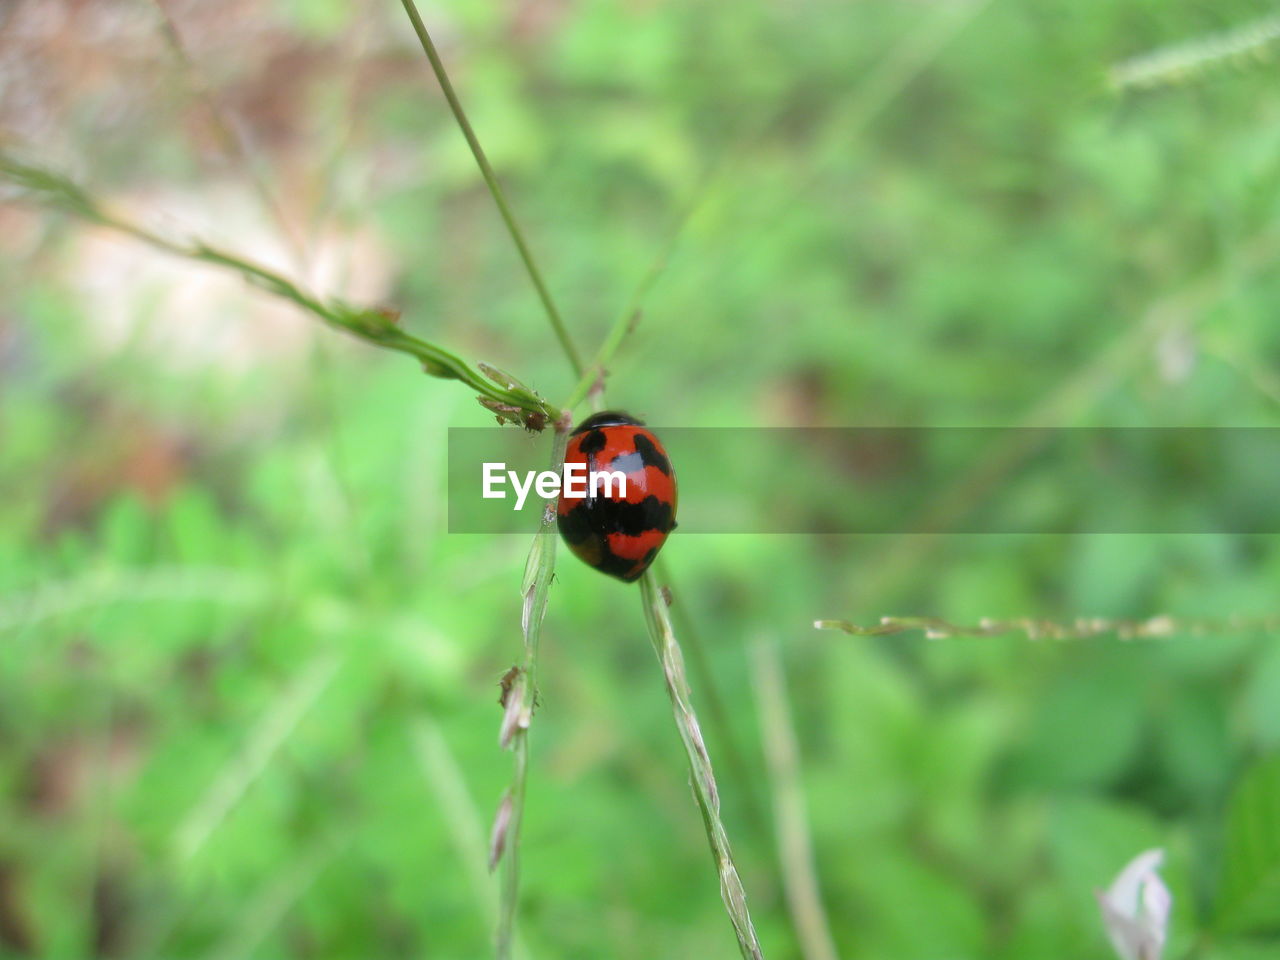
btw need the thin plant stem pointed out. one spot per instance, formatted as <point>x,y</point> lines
<point>593,379</point>
<point>1243,46</point>
<point>495,189</point>
<point>1082,628</point>
<point>233,138</point>
<point>903,64</point>
<point>446,780</point>
<point>669,654</point>
<point>701,773</point>
<point>730,885</point>
<point>716,710</point>
<point>795,844</point>
<point>52,599</point>
<point>593,386</point>
<point>504,395</point>
<point>280,895</point>
<point>261,746</point>
<point>237,146</point>
<point>592,382</point>
<point>520,697</point>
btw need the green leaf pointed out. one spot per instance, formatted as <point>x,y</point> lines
<point>1086,725</point>
<point>1249,898</point>
<point>1090,840</point>
<point>896,888</point>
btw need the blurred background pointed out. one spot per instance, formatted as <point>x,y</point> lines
<point>248,683</point>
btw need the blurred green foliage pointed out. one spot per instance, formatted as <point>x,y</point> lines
<point>232,625</point>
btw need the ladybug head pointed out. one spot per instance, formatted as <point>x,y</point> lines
<point>607,418</point>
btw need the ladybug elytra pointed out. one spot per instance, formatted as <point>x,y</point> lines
<point>619,535</point>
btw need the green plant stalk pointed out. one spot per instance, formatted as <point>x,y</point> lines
<point>495,189</point>
<point>520,700</point>
<point>717,713</point>
<point>1242,46</point>
<point>372,325</point>
<point>593,379</point>
<point>272,903</point>
<point>701,773</point>
<point>234,142</point>
<point>597,369</point>
<point>592,385</point>
<point>1082,628</point>
<point>657,616</point>
<point>795,842</point>
<point>669,652</point>
<point>447,782</point>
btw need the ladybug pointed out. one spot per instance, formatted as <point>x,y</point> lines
<point>618,535</point>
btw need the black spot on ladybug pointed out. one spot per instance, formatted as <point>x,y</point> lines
<point>651,455</point>
<point>619,567</point>
<point>575,526</point>
<point>593,442</point>
<point>633,519</point>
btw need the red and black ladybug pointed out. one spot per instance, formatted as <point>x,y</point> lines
<point>619,535</point>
